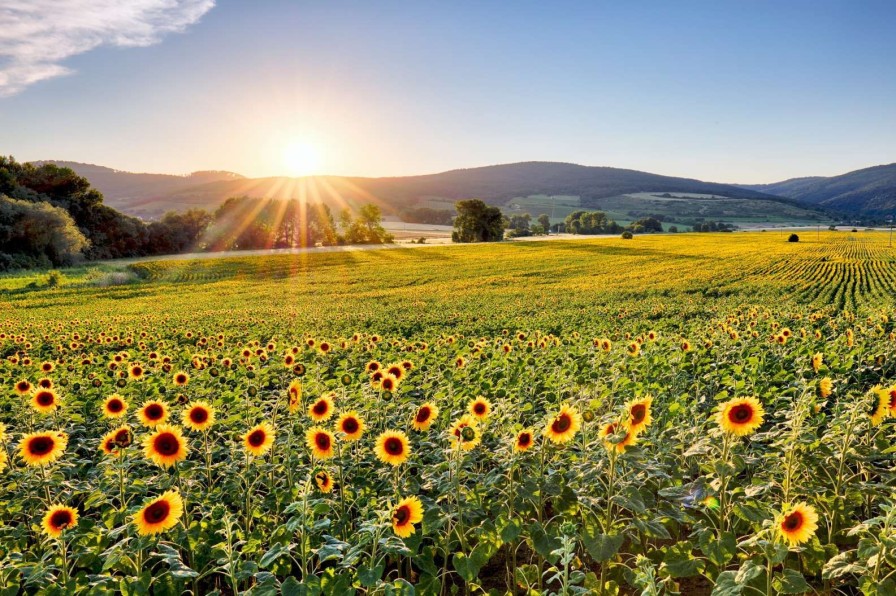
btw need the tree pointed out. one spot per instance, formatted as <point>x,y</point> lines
<point>37,234</point>
<point>545,222</point>
<point>793,238</point>
<point>648,224</point>
<point>519,225</point>
<point>367,228</point>
<point>477,222</point>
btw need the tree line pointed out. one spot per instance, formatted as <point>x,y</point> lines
<point>51,217</point>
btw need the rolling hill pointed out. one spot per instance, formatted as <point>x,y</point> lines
<point>627,193</point>
<point>866,192</point>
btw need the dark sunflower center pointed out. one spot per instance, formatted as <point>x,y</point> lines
<point>256,439</point>
<point>61,519</point>
<point>320,408</point>
<point>23,386</point>
<point>115,406</point>
<point>561,424</point>
<point>322,478</point>
<point>157,512</point>
<point>525,439</point>
<point>198,415</point>
<point>322,441</point>
<point>741,413</point>
<point>387,384</point>
<point>639,412</point>
<point>479,408</point>
<point>350,426</point>
<point>166,444</point>
<point>123,438</point>
<point>41,445</point>
<point>402,515</point>
<point>793,521</point>
<point>394,446</point>
<point>423,415</point>
<point>136,371</point>
<point>44,398</point>
<point>893,399</point>
<point>154,412</point>
<point>181,379</point>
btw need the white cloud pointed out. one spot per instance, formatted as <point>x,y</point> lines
<point>37,35</point>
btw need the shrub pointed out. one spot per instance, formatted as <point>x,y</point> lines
<point>793,238</point>
<point>626,235</point>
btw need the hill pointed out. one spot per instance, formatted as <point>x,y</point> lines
<point>868,192</point>
<point>512,186</point>
<point>135,193</point>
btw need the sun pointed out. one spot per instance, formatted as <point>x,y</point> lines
<point>300,159</point>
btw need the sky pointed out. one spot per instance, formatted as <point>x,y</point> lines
<point>724,91</point>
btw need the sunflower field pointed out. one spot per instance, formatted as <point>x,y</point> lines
<point>700,414</point>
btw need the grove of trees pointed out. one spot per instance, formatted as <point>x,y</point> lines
<point>50,217</point>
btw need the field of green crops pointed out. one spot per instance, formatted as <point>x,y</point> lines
<point>683,414</point>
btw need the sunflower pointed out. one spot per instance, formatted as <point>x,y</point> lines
<point>891,396</point>
<point>564,425</point>
<point>634,348</point>
<point>322,409</point>
<point>45,401</point>
<point>160,514</point>
<point>524,441</point>
<point>135,371</point>
<point>388,383</point>
<point>295,395</point>
<point>392,447</point>
<point>396,370</point>
<point>797,524</point>
<point>181,378</point>
<point>59,518</point>
<point>817,359</point>
<point>372,366</point>
<point>115,406</point>
<point>425,416</point>
<point>324,481</point>
<point>465,433</point>
<point>199,416</point>
<point>639,417</point>
<point>825,387</point>
<point>47,366</point>
<point>116,439</point>
<point>166,446</point>
<point>153,413</point>
<point>881,406</point>
<point>351,425</point>
<point>741,416</point>
<point>408,512</point>
<point>23,387</point>
<point>41,448</point>
<point>259,439</point>
<point>3,459</point>
<point>611,433</point>
<point>320,442</point>
<point>480,408</point>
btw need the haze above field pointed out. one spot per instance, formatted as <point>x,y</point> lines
<point>748,92</point>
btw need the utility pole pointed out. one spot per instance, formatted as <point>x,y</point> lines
<point>891,231</point>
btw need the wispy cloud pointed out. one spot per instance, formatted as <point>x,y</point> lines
<point>36,36</point>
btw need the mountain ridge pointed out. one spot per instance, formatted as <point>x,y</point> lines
<point>867,191</point>
<point>150,195</point>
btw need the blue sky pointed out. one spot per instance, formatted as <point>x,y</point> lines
<point>724,91</point>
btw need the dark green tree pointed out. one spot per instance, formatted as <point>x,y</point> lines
<point>477,222</point>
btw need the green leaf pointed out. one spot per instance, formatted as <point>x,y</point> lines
<point>679,562</point>
<point>726,585</point>
<point>791,581</point>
